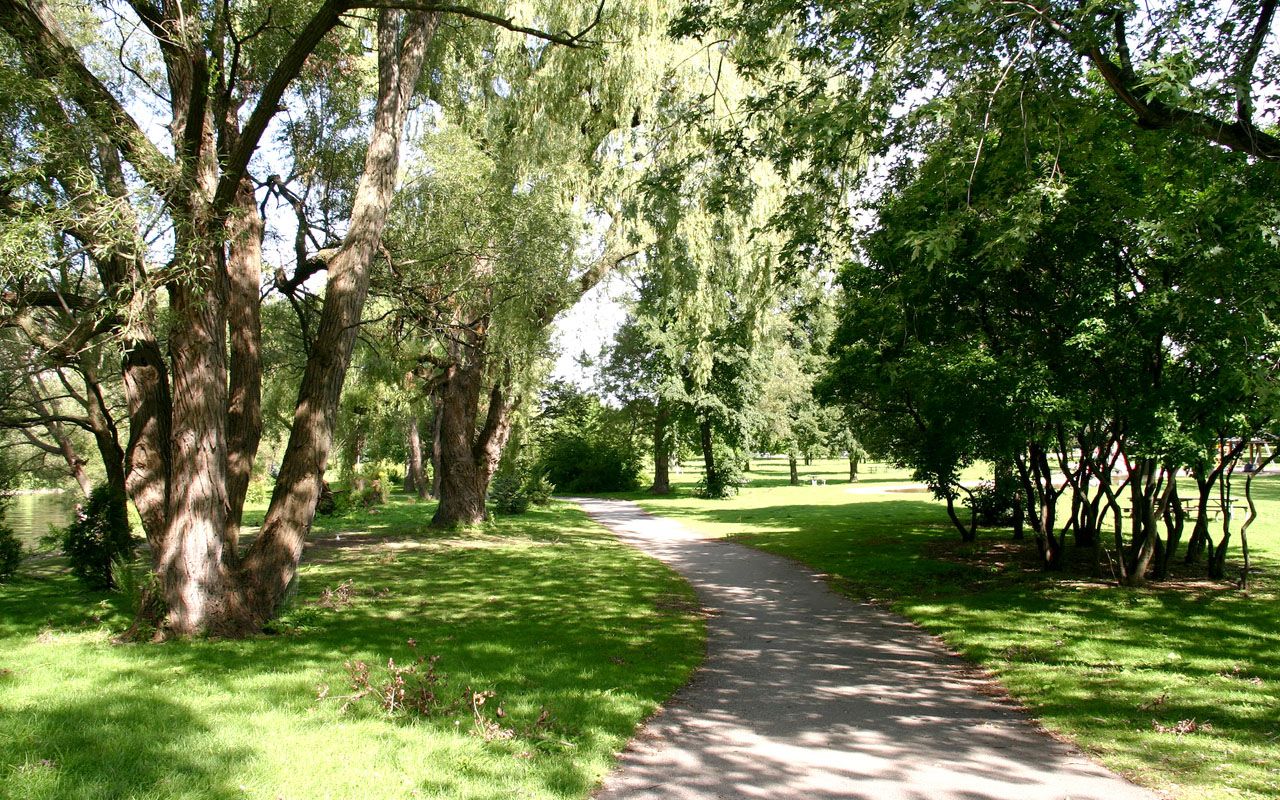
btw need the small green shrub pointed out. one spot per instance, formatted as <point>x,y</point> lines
<point>260,489</point>
<point>98,536</point>
<point>728,478</point>
<point>539,488</point>
<point>591,462</point>
<point>992,503</point>
<point>378,479</point>
<point>507,492</point>
<point>10,552</point>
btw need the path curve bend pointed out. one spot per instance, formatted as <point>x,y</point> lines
<point>807,694</point>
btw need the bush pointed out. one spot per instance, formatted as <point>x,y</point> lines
<point>729,477</point>
<point>539,488</point>
<point>98,536</point>
<point>378,479</point>
<point>993,503</point>
<point>507,492</point>
<point>260,489</point>
<point>590,462</point>
<point>10,552</point>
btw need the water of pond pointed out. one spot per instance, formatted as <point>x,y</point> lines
<point>30,515</point>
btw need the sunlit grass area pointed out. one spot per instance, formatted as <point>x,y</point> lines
<point>578,638</point>
<point>1176,686</point>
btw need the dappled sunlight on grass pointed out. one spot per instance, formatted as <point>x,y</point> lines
<point>1116,669</point>
<point>545,610</point>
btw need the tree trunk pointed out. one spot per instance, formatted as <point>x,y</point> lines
<point>435,447</point>
<point>793,463</point>
<point>272,561</point>
<point>853,467</point>
<point>468,459</point>
<point>1144,536</point>
<point>244,325</point>
<point>105,433</point>
<point>415,480</point>
<point>968,533</point>
<point>711,475</point>
<point>199,590</point>
<point>661,449</point>
<point>1199,540</point>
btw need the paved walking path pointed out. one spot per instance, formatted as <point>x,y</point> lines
<point>806,694</point>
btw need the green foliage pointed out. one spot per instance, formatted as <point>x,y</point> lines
<point>260,489</point>
<point>378,478</point>
<point>10,552</point>
<point>539,488</point>
<point>584,446</point>
<point>590,461</point>
<point>97,537</point>
<point>150,721</point>
<point>507,492</point>
<point>992,502</point>
<point>727,478</point>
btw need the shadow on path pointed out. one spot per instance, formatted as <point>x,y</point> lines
<point>807,694</point>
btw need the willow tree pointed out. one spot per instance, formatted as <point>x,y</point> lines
<point>194,414</point>
<point>546,145</point>
<point>711,264</point>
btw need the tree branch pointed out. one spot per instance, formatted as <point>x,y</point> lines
<point>51,57</point>
<point>1243,77</point>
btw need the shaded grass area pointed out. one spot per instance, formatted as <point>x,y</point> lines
<point>1120,671</point>
<point>578,637</point>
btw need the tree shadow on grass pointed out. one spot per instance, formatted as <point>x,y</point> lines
<point>1126,666</point>
<point>546,610</point>
<point>116,743</point>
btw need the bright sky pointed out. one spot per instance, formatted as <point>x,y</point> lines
<point>587,327</point>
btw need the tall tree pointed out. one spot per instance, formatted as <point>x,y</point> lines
<point>194,416</point>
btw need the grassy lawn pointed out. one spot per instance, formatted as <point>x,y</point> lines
<point>578,637</point>
<point>1117,670</point>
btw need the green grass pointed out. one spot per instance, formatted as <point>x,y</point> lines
<point>546,610</point>
<point>1102,665</point>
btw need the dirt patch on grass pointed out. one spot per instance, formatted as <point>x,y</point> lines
<point>1008,557</point>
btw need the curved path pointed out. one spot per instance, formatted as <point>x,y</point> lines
<point>806,694</point>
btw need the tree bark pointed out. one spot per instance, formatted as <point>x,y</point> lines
<point>244,323</point>
<point>436,446</point>
<point>793,462</point>
<point>272,561</point>
<point>661,449</point>
<point>415,479</point>
<point>711,475</point>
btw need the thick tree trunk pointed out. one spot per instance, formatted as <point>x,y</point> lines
<point>469,458</point>
<point>436,446</point>
<point>244,324</point>
<point>271,563</point>
<point>853,467</point>
<point>711,475</point>
<point>661,449</point>
<point>199,590</point>
<point>415,480</point>
<point>794,464</point>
